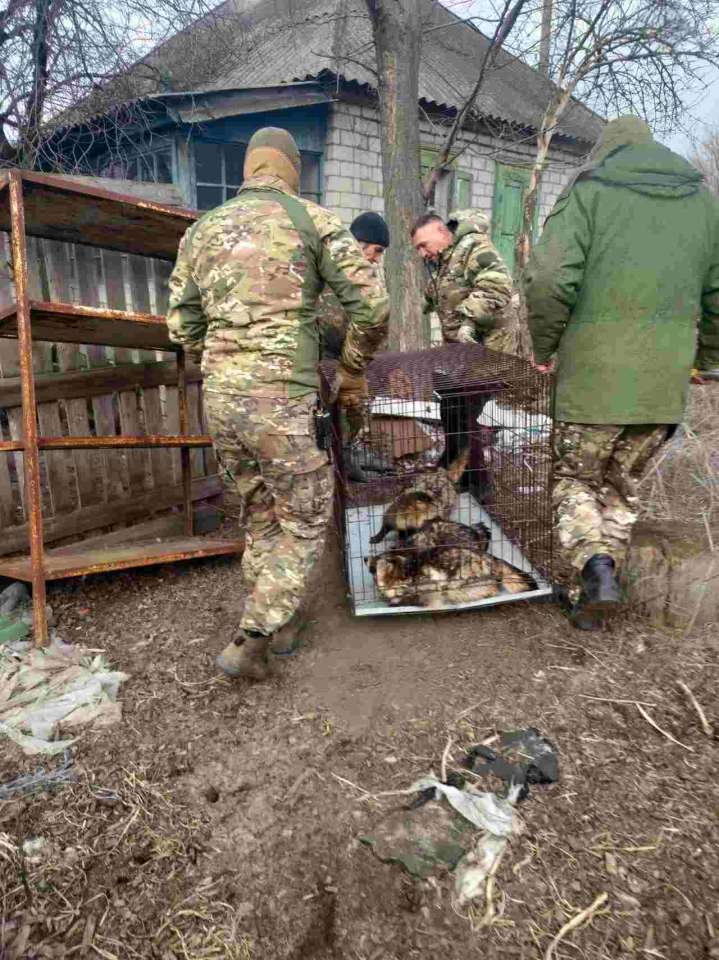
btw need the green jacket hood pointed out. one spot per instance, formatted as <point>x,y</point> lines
<point>647,168</point>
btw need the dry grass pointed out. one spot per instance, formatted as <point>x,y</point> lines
<point>683,484</point>
<point>136,845</point>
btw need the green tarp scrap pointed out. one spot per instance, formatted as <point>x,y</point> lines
<point>468,834</point>
<point>428,840</point>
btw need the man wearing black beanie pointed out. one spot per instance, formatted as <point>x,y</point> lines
<point>371,232</point>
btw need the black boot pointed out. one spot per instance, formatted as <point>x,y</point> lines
<point>600,594</point>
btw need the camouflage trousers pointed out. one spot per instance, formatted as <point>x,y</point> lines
<point>596,471</point>
<point>269,458</point>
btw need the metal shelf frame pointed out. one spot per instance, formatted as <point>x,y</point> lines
<point>50,207</point>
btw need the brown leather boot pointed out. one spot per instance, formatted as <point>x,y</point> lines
<point>286,640</point>
<point>246,658</point>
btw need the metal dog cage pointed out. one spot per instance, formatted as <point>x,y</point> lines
<point>443,492</point>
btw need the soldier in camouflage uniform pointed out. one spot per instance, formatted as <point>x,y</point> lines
<point>243,294</point>
<point>469,285</point>
<point>627,262</point>
<point>370,231</point>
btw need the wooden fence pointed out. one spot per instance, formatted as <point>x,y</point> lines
<point>93,390</point>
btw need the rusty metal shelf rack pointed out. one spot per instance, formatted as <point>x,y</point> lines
<point>53,208</point>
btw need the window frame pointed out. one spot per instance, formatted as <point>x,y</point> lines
<point>137,153</point>
<point>224,186</point>
<point>456,175</point>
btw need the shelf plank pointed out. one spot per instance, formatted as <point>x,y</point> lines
<point>15,539</point>
<point>98,443</point>
<point>70,323</point>
<point>124,442</point>
<point>79,561</point>
<point>58,209</point>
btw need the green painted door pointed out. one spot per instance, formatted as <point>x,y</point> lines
<point>510,189</point>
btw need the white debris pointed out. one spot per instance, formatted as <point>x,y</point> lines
<point>43,691</point>
<point>495,817</point>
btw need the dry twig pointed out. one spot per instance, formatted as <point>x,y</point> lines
<point>706,726</point>
<point>445,757</point>
<point>584,916</point>
<point>664,733</point>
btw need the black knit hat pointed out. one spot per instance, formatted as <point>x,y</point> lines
<point>370,228</point>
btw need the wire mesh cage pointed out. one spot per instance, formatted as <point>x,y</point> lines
<point>443,497</point>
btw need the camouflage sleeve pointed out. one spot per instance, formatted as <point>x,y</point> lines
<point>358,288</point>
<point>708,347</point>
<point>555,272</point>
<point>332,322</point>
<point>491,291</point>
<point>186,321</point>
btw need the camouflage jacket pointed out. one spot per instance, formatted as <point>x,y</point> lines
<point>245,287</point>
<point>470,284</point>
<point>334,321</point>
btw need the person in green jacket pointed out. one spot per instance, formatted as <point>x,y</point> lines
<point>622,292</point>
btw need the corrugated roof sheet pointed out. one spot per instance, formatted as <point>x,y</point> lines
<point>286,40</point>
<point>276,42</point>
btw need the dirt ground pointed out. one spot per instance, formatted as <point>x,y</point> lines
<point>221,819</point>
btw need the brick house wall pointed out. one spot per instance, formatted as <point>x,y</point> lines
<point>352,168</point>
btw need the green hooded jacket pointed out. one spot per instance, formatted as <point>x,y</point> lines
<point>625,275</point>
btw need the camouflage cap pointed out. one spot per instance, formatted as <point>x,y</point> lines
<point>273,152</point>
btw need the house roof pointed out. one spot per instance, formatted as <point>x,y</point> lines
<point>285,40</point>
<point>278,43</point>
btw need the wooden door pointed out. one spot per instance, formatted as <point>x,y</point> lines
<point>510,189</point>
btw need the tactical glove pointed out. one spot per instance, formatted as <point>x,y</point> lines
<point>349,389</point>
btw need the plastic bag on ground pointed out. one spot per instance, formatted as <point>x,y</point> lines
<point>43,689</point>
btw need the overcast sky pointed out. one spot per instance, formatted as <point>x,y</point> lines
<point>703,116</point>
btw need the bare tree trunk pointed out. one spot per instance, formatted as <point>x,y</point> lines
<point>505,26</point>
<point>396,26</point>
<point>545,39</point>
<point>38,90</point>
<point>544,141</point>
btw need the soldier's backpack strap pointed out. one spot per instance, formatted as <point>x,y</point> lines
<point>312,244</point>
<point>301,220</point>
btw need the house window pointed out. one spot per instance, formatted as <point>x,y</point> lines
<point>454,190</point>
<point>218,173</point>
<point>150,166</point>
<point>510,190</point>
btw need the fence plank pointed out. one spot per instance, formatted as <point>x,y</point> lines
<point>41,362</point>
<point>8,349</point>
<point>105,420</point>
<point>197,458</point>
<point>209,452</point>
<point>62,473</point>
<point>143,300</point>
<point>160,459</point>
<point>89,465</point>
<point>97,381</point>
<point>161,271</point>
<point>172,420</point>
<point>109,514</point>
<point>139,284</point>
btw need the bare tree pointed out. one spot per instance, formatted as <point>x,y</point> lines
<point>706,160</point>
<point>67,58</point>
<point>506,21</point>
<point>622,56</point>
<point>397,33</point>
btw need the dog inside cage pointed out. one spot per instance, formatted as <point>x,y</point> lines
<point>443,483</point>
